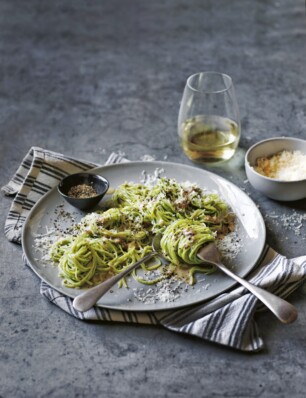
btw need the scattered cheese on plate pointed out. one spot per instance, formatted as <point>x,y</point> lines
<point>284,165</point>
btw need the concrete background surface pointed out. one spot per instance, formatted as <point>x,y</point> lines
<point>88,78</point>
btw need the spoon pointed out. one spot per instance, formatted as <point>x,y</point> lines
<point>89,298</point>
<point>283,310</point>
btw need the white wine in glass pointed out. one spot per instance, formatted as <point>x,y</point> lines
<point>208,124</point>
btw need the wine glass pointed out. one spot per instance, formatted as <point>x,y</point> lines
<point>208,122</point>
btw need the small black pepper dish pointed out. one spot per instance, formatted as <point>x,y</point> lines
<point>83,190</point>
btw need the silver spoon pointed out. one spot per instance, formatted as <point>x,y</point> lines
<point>89,298</point>
<point>283,310</point>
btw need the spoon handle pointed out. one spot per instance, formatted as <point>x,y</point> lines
<point>88,299</point>
<point>283,310</point>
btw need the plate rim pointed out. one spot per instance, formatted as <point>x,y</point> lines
<point>157,163</point>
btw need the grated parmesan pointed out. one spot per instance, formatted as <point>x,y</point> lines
<point>165,291</point>
<point>230,246</point>
<point>291,222</point>
<point>151,179</point>
<point>147,158</point>
<point>284,165</point>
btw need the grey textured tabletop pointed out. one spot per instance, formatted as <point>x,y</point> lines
<point>90,78</point>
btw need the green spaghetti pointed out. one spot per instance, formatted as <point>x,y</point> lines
<point>106,242</point>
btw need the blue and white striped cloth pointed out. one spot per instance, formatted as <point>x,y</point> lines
<point>227,319</point>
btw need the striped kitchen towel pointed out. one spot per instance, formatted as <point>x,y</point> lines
<point>39,171</point>
<point>227,319</point>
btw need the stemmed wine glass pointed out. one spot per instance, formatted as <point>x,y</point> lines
<point>208,122</point>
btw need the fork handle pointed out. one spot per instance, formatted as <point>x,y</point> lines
<point>89,298</point>
<point>283,310</point>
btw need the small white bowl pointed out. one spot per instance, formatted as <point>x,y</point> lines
<point>271,187</point>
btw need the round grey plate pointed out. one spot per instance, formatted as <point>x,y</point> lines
<point>250,229</point>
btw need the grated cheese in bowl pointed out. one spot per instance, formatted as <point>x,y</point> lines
<point>284,165</point>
